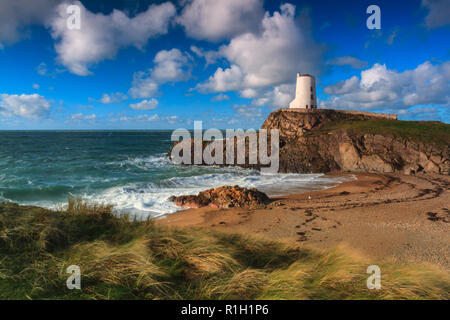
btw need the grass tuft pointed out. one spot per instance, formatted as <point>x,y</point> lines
<point>124,259</point>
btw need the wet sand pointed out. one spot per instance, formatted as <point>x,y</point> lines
<point>384,216</point>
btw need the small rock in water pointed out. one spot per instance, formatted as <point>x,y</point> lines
<point>171,198</point>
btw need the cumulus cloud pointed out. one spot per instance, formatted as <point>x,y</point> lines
<point>101,36</point>
<point>210,56</point>
<point>26,106</point>
<point>381,88</point>
<point>217,19</point>
<point>350,61</point>
<point>271,57</point>
<point>16,15</point>
<point>439,13</point>
<point>228,79</point>
<point>421,113</point>
<point>276,97</point>
<point>36,86</point>
<point>170,66</point>
<point>343,86</point>
<point>145,105</point>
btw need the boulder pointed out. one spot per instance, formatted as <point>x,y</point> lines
<point>224,197</point>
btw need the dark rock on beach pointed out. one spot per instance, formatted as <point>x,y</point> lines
<point>224,197</point>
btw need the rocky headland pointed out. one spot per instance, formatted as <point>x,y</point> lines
<point>329,140</point>
<point>321,140</point>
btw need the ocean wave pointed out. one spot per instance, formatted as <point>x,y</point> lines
<point>151,199</point>
<point>157,161</point>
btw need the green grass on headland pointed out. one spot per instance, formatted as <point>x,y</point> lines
<point>424,131</point>
<point>123,259</point>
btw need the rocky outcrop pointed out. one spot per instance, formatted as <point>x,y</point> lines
<point>223,197</point>
<point>322,140</point>
<point>318,142</point>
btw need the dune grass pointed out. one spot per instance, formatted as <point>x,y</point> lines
<point>124,259</point>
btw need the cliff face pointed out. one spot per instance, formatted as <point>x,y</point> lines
<point>327,140</point>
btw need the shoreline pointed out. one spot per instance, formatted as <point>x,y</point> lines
<point>384,216</point>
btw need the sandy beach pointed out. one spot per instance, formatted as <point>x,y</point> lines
<point>383,216</point>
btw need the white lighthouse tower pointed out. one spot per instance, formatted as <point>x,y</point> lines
<point>305,92</point>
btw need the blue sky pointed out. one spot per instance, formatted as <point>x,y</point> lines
<point>162,64</point>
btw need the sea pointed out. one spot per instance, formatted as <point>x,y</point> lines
<point>127,169</point>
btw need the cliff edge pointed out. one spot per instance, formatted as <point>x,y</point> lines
<point>326,140</point>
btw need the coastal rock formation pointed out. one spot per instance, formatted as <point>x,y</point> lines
<point>223,197</point>
<point>328,140</point>
<point>321,140</point>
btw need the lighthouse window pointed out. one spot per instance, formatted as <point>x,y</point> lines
<point>312,97</point>
<point>311,89</point>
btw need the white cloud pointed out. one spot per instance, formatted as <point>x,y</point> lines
<point>140,118</point>
<point>269,58</point>
<point>143,86</point>
<point>343,86</point>
<point>220,97</point>
<point>152,118</point>
<point>26,106</point>
<point>15,15</point>
<point>392,36</point>
<point>420,113</point>
<point>145,105</point>
<point>101,36</point>
<point>248,111</point>
<point>223,80</point>
<point>276,97</point>
<point>36,86</point>
<point>348,60</point>
<point>81,117</point>
<point>218,19</point>
<point>382,88</point>
<point>439,13</point>
<point>171,119</point>
<point>42,69</point>
<point>144,118</point>
<point>113,98</point>
<point>249,93</point>
<point>210,56</point>
<point>170,66</point>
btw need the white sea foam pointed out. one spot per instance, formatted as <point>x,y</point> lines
<point>145,162</point>
<point>152,200</point>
